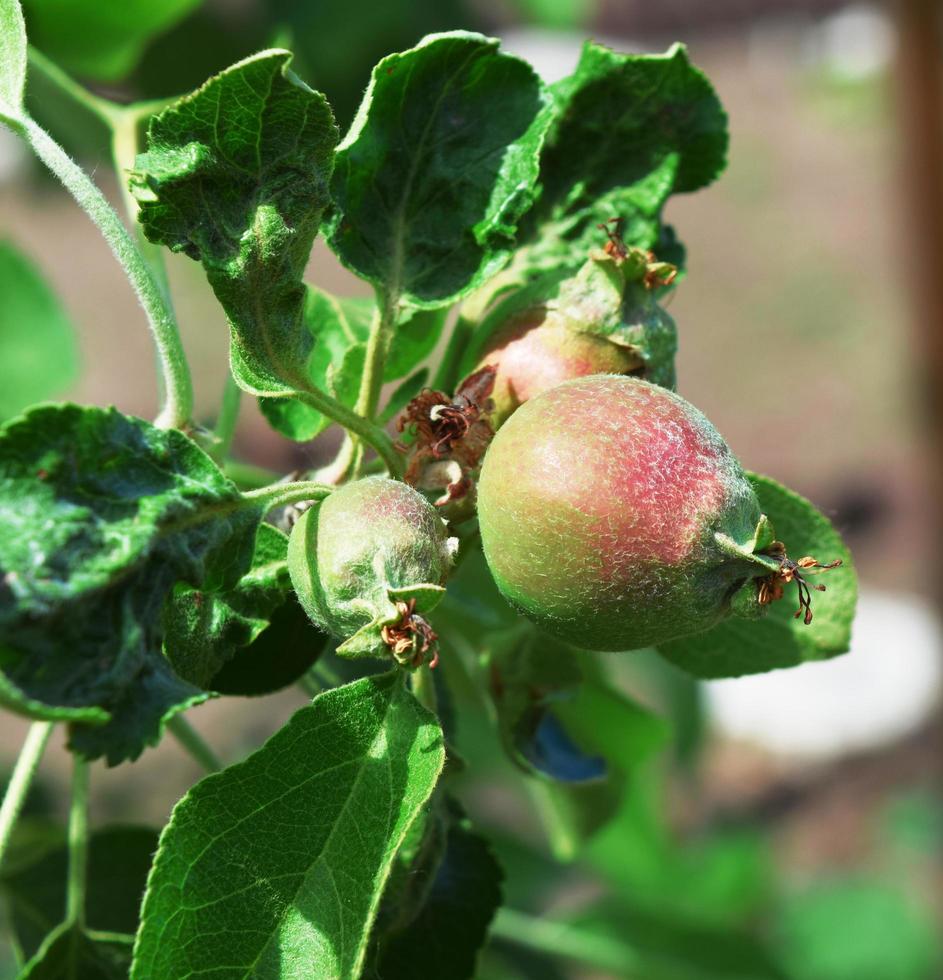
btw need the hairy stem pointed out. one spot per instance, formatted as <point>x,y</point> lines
<point>78,843</point>
<point>227,418</point>
<point>22,779</point>
<point>446,376</point>
<point>562,939</point>
<point>368,431</point>
<point>175,372</point>
<point>193,742</point>
<point>280,494</point>
<point>371,382</point>
<point>423,685</point>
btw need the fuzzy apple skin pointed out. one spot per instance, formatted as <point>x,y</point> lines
<point>368,543</point>
<point>538,349</point>
<point>614,515</point>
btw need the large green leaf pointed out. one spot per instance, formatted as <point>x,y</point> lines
<point>628,131</point>
<point>275,866</point>
<point>100,514</point>
<point>236,176</point>
<point>71,953</point>
<point>38,355</point>
<point>35,888</point>
<point>779,639</point>
<point>443,940</point>
<point>102,41</point>
<point>12,60</point>
<point>437,168</point>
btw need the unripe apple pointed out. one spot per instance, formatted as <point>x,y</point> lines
<point>614,516</point>
<point>368,563</point>
<point>603,320</point>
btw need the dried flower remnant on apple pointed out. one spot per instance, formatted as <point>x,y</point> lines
<point>368,564</point>
<point>446,439</point>
<point>604,319</point>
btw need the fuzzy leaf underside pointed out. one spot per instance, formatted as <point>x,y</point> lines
<point>275,866</point>
<point>778,639</point>
<point>205,632</point>
<point>38,351</point>
<point>628,131</point>
<point>202,630</point>
<point>431,180</point>
<point>100,515</point>
<point>237,175</point>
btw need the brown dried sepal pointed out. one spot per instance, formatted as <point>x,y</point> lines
<point>450,429</point>
<point>656,273</point>
<point>772,587</point>
<point>410,638</point>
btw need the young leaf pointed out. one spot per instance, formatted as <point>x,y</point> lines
<point>12,60</point>
<point>779,639</point>
<point>38,354</point>
<point>102,41</point>
<point>236,176</point>
<point>275,866</point>
<point>100,514</point>
<point>443,940</point>
<point>35,889</point>
<point>71,953</point>
<point>628,131</point>
<point>437,168</point>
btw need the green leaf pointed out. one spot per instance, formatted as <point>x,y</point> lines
<point>236,176</point>
<point>778,639</point>
<point>433,176</point>
<point>38,351</point>
<point>279,656</point>
<point>339,329</point>
<point>35,889</point>
<point>203,630</point>
<point>443,940</point>
<point>275,866</point>
<point>628,131</point>
<point>12,60</point>
<point>102,41</point>
<point>71,953</point>
<point>100,514</point>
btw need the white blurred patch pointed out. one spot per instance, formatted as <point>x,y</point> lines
<point>554,54</point>
<point>855,43</point>
<point>13,155</point>
<point>882,689</point>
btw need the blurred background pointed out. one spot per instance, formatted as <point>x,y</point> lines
<point>803,806</point>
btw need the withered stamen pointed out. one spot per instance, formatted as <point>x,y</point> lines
<point>401,636</point>
<point>771,587</point>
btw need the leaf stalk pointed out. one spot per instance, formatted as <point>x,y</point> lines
<point>24,772</point>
